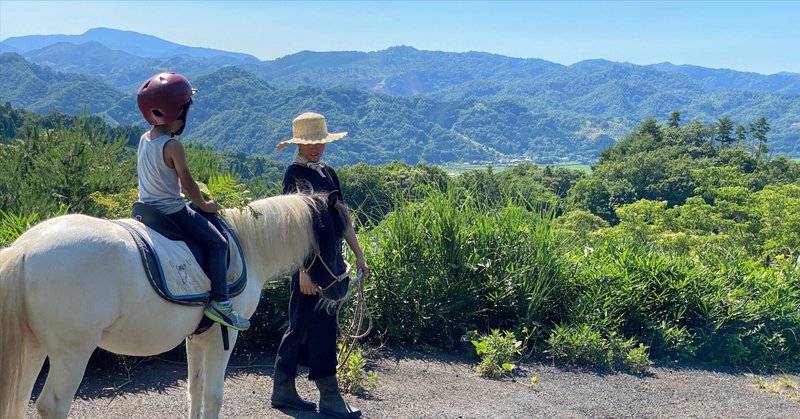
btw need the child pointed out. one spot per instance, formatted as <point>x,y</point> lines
<point>310,338</point>
<point>164,101</point>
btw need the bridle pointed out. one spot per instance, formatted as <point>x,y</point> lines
<point>336,278</point>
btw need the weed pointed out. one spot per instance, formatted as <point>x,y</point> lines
<point>497,351</point>
<point>783,386</point>
<point>585,345</point>
<point>351,375</point>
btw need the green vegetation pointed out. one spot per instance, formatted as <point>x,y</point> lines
<point>679,246</point>
<point>351,374</point>
<point>783,386</point>
<point>432,108</point>
<point>497,352</point>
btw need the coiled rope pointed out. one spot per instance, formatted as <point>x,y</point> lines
<point>352,332</point>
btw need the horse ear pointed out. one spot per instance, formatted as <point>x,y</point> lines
<point>333,197</point>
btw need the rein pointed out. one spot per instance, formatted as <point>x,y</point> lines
<point>336,278</point>
<point>353,331</point>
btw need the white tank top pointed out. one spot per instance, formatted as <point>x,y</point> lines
<point>159,185</point>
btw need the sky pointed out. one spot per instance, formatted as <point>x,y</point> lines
<point>758,36</point>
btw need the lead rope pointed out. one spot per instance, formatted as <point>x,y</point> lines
<point>352,333</point>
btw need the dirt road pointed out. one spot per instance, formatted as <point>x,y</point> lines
<point>414,385</point>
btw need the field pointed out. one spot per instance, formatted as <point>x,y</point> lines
<point>458,168</point>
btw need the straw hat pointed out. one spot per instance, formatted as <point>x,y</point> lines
<point>310,128</point>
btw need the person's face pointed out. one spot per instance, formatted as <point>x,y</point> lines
<point>312,152</point>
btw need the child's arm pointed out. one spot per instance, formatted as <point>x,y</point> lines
<point>352,241</point>
<point>175,157</point>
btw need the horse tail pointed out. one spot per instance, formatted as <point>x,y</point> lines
<point>13,330</point>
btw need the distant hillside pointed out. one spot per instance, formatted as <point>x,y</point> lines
<point>118,68</point>
<point>483,106</point>
<point>41,89</point>
<point>403,71</point>
<point>236,110</point>
<point>715,79</point>
<point>133,43</point>
<point>397,71</point>
<point>8,48</point>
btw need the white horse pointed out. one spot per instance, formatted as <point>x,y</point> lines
<point>73,283</point>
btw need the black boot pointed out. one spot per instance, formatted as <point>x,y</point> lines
<point>330,400</point>
<point>284,393</point>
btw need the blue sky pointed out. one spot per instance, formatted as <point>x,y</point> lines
<point>748,36</point>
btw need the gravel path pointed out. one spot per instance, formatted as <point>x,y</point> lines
<point>413,385</point>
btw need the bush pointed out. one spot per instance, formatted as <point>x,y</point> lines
<point>584,345</point>
<point>497,351</point>
<point>351,375</point>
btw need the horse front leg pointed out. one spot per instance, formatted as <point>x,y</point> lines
<point>211,371</point>
<point>216,364</point>
<point>195,358</point>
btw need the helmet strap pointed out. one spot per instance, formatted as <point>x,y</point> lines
<point>182,117</point>
<point>180,130</point>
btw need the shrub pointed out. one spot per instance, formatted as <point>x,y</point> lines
<point>584,345</point>
<point>351,375</point>
<point>497,351</point>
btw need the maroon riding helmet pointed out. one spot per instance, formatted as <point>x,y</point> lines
<point>164,98</point>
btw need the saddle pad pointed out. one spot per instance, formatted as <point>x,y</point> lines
<point>175,273</point>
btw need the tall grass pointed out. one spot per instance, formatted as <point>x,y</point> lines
<point>452,262</point>
<point>713,308</point>
<point>12,225</point>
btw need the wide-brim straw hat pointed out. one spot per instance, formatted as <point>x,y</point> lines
<point>310,128</point>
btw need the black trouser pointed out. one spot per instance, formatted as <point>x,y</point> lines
<point>199,229</point>
<point>310,339</point>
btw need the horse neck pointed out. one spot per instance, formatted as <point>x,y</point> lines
<point>275,233</point>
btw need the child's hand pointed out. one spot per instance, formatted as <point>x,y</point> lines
<point>211,206</point>
<point>306,286</point>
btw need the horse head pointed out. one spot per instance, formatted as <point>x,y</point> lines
<point>325,266</point>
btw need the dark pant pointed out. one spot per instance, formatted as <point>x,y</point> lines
<point>199,229</point>
<point>310,339</point>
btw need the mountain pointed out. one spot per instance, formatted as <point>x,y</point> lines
<point>236,110</point>
<point>716,79</point>
<point>8,48</point>
<point>133,43</point>
<point>397,71</point>
<point>41,89</point>
<point>118,68</point>
<point>490,106</point>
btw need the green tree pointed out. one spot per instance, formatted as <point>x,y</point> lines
<point>724,131</point>
<point>758,130</point>
<point>50,168</point>
<point>674,119</point>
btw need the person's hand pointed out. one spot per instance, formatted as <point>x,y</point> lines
<point>211,207</point>
<point>306,286</point>
<point>361,265</point>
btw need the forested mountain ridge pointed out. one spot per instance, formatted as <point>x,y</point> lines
<point>236,110</point>
<point>134,43</point>
<point>398,70</point>
<point>712,79</point>
<point>464,106</point>
<point>41,89</point>
<point>118,68</point>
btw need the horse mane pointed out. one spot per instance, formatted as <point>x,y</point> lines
<point>277,230</point>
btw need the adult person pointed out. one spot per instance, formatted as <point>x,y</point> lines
<point>310,339</point>
<point>164,100</point>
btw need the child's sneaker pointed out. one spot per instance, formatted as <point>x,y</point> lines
<point>224,313</point>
